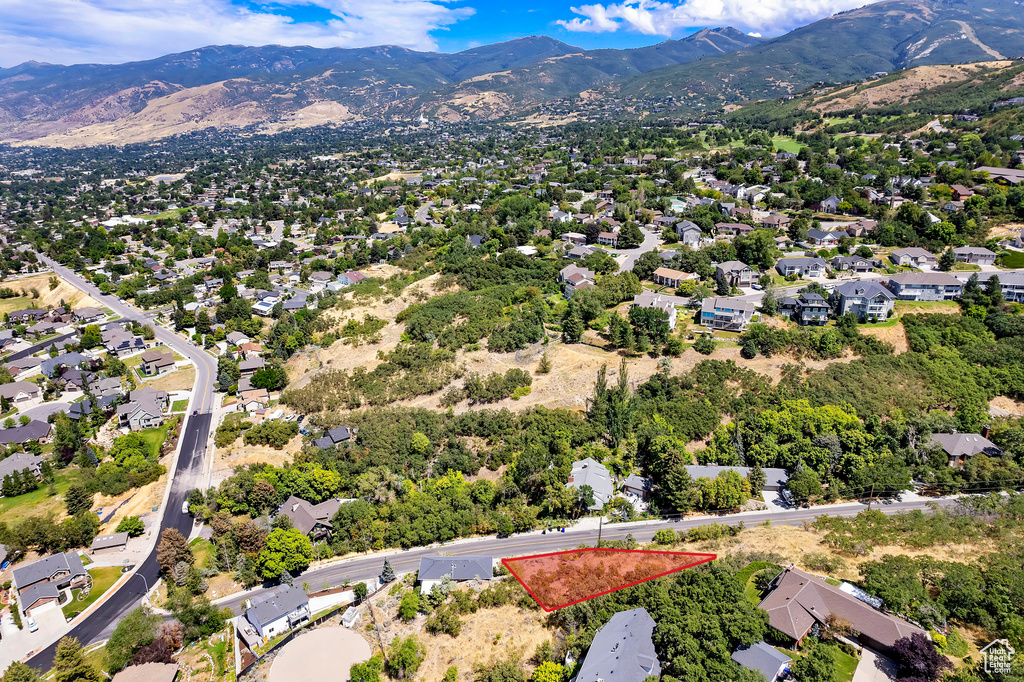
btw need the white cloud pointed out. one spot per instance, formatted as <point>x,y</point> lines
<point>111,31</point>
<point>654,17</point>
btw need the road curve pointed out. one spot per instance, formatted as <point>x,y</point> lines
<point>187,474</point>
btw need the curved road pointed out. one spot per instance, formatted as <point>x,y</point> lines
<point>187,473</point>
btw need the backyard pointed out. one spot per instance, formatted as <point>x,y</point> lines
<point>38,503</point>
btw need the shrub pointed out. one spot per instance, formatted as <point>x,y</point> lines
<point>824,563</point>
<point>132,525</point>
<point>705,345</point>
<point>665,536</point>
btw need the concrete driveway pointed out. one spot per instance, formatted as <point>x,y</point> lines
<point>43,412</point>
<point>19,643</point>
<point>874,667</point>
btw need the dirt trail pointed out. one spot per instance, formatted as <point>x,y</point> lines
<point>973,37</point>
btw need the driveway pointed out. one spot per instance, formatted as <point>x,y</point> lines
<point>43,412</point>
<point>18,643</point>
<point>651,240</point>
<point>874,667</point>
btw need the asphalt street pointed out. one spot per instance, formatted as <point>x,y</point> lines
<point>406,561</point>
<point>187,474</point>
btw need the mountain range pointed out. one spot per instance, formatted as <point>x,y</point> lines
<point>278,87</point>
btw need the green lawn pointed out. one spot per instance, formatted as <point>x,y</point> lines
<point>1013,259</point>
<point>966,267</point>
<point>846,665</point>
<point>202,550</point>
<point>37,503</point>
<point>156,437</point>
<point>179,405</point>
<point>929,306</point>
<point>787,144</point>
<point>102,580</point>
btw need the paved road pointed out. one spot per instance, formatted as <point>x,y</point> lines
<point>533,543</point>
<point>650,242</point>
<point>44,345</point>
<point>187,474</point>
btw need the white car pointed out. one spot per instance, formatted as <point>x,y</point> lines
<point>184,506</point>
<point>32,625</point>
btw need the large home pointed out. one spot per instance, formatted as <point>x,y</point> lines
<point>332,437</point>
<point>925,286</point>
<point>52,367</point>
<point>88,315</point>
<point>622,650</point>
<point>18,392</point>
<point>960,447</point>
<point>1012,285</point>
<point>774,479</point>
<point>108,544</point>
<point>689,233</point>
<point>434,569</point>
<point>671,278</point>
<point>762,657</point>
<point>574,277</point>
<point>853,264</point>
<point>155,362</point>
<point>829,205</point>
<point>34,432</point>
<point>592,473</point>
<point>144,409</point>
<point>20,461</point>
<point>823,238</point>
<point>729,314</point>
<point>913,256</point>
<point>313,520</point>
<point>608,239</point>
<point>807,308</point>
<point>237,338</point>
<point>798,601</point>
<point>867,300</point>
<point>976,255</point>
<point>648,299</point>
<point>121,343</point>
<point>278,611</point>
<point>806,267</point>
<point>249,367</point>
<point>736,273</point>
<point>42,581</point>
<point>574,238</point>
<point>27,316</point>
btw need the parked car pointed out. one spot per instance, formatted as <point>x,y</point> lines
<point>184,506</point>
<point>32,625</point>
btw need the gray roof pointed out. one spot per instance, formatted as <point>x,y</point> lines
<point>800,262</point>
<point>622,650</point>
<point>275,605</point>
<point>36,592</point>
<point>34,430</point>
<point>591,472</point>
<point>72,359</point>
<point>109,541</point>
<point>968,444</point>
<point>331,437</point>
<point>457,568</point>
<point>18,462</point>
<point>865,288</point>
<point>761,657</point>
<point>9,390</point>
<point>771,474</point>
<point>252,363</point>
<point>46,568</point>
<point>933,278</point>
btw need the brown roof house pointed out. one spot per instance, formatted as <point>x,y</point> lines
<point>311,519</point>
<point>800,602</point>
<point>155,362</point>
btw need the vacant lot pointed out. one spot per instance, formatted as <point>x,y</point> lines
<point>38,503</point>
<point>47,297</point>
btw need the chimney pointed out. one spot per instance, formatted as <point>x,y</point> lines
<point>985,430</point>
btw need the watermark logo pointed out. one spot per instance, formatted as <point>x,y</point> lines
<point>998,656</point>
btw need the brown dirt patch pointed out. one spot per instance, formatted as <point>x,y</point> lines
<point>895,335</point>
<point>41,283</point>
<point>179,380</point>
<point>239,454</point>
<point>1001,402</point>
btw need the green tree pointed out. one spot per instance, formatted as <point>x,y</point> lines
<point>198,617</point>
<point>132,525</point>
<point>405,657</point>
<point>19,672</point>
<point>630,236</point>
<point>572,324</point>
<point>947,260</point>
<point>77,499</point>
<point>817,665</point>
<point>409,605</point>
<point>69,664</point>
<point>704,345</point>
<point>91,337</point>
<point>387,575</point>
<point>369,671</point>
<point>549,672</point>
<point>645,265</point>
<point>133,632</point>
<point>285,550</point>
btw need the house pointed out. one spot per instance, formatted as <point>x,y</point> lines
<point>689,233</point>
<point>652,300</point>
<point>19,392</point>
<point>120,343</point>
<point>960,192</point>
<point>332,437</point>
<point>52,367</point>
<point>592,473</point>
<point>1012,286</point>
<point>433,569</point>
<point>912,256</point>
<point>313,520</point>
<point>23,366</point>
<point>279,611</point>
<point>807,308</point>
<point>148,672</point>
<point>144,409</point>
<point>249,367</point>
<point>774,479</point>
<point>608,239</point>
<point>28,316</point>
<point>156,362</point>
<point>87,315</point>
<point>569,270</point>
<point>960,447</point>
<point>640,486</point>
<point>250,400</point>
<point>107,387</point>
<point>729,314</point>
<point>763,658</point>
<point>351,277</point>
<point>853,264</point>
<point>805,267</point>
<point>976,255</point>
<point>108,544</point>
<point>798,601</point>
<point>41,582</point>
<point>925,286</point>
<point>671,278</point>
<point>83,408</point>
<point>867,300</point>
<point>736,274</point>
<point>34,432</point>
<point>20,461</point>
<point>238,338</point>
<point>622,650</point>
<point>829,205</point>
<point>580,251</point>
<point>775,221</point>
<point>822,238</point>
<point>574,238</point>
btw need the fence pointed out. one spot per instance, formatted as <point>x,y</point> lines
<point>289,637</point>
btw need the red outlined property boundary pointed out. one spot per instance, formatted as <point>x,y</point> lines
<point>507,563</point>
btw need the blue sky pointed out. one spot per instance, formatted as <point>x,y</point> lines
<point>111,31</point>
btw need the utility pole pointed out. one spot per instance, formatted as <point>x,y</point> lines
<point>373,615</point>
<point>600,526</point>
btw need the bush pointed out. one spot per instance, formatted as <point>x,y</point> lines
<point>409,605</point>
<point>445,620</point>
<point>705,345</point>
<point>824,563</point>
<point>132,525</point>
<point>273,432</point>
<point>665,536</point>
